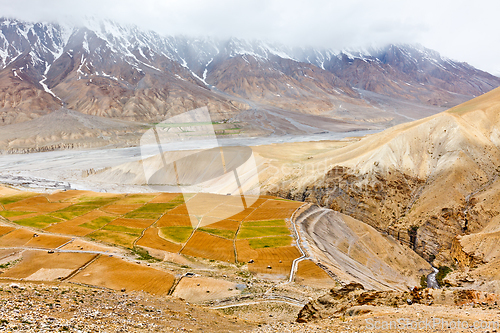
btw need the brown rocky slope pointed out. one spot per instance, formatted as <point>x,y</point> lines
<point>425,182</point>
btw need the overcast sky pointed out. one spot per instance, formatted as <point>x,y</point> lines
<point>462,30</point>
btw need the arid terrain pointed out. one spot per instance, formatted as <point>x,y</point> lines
<point>426,181</point>
<point>69,254</point>
<point>72,76</point>
<point>429,186</point>
<point>162,183</point>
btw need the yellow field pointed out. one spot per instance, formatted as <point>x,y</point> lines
<point>132,223</point>
<point>152,240</point>
<point>16,238</point>
<point>173,220</point>
<point>224,211</point>
<point>281,204</point>
<point>179,210</point>
<point>210,247</point>
<point>264,257</point>
<point>5,229</point>
<point>242,215</point>
<point>150,220</point>
<point>36,204</point>
<point>69,228</point>
<point>270,214</point>
<point>81,245</point>
<point>63,196</point>
<point>224,224</point>
<point>308,273</point>
<point>120,209</point>
<point>115,273</point>
<point>165,197</point>
<point>45,241</point>
<point>43,262</point>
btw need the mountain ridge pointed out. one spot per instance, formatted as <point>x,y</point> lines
<point>105,69</point>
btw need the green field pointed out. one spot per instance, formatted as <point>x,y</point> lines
<point>259,243</point>
<point>122,229</point>
<point>261,234</point>
<point>83,208</point>
<point>150,211</point>
<point>40,222</point>
<point>67,215</point>
<point>97,223</point>
<point>97,201</point>
<point>16,198</point>
<point>11,213</point>
<point>269,223</point>
<point>176,234</point>
<point>253,232</point>
<point>132,199</point>
<point>229,234</point>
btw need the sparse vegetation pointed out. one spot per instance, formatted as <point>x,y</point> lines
<point>117,238</point>
<point>443,271</point>
<point>143,254</point>
<point>9,264</point>
<point>244,274</point>
<point>423,281</point>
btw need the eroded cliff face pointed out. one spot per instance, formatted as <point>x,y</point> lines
<point>386,202</point>
<point>354,300</point>
<point>424,183</point>
<point>424,215</point>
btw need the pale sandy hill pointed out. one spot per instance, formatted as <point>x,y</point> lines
<point>426,181</point>
<point>354,251</point>
<point>68,129</point>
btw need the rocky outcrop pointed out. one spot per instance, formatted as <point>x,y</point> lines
<point>461,258</point>
<point>354,300</point>
<point>343,302</point>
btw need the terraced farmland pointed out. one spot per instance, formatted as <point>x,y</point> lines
<point>209,226</point>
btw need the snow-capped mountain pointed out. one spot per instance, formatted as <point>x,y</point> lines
<point>412,72</point>
<point>106,69</point>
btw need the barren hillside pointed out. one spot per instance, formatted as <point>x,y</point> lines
<point>425,182</point>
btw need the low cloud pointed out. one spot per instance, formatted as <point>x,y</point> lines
<point>465,31</point>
